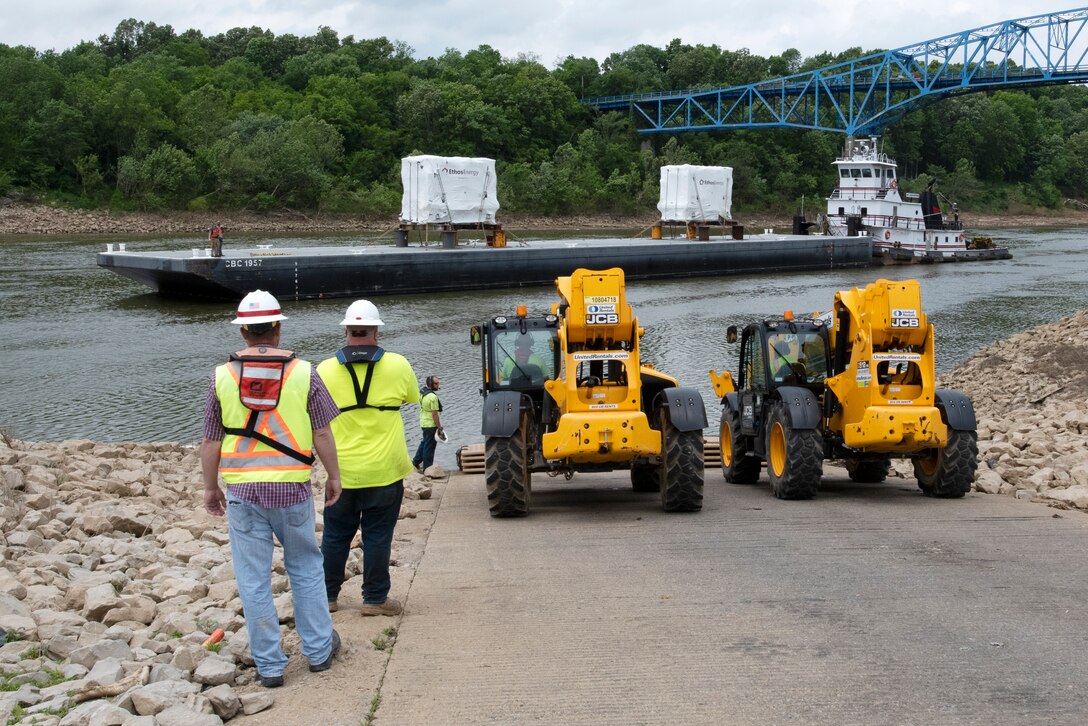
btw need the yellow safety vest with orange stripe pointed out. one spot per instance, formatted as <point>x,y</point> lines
<point>246,459</point>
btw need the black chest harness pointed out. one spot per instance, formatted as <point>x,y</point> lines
<point>369,354</point>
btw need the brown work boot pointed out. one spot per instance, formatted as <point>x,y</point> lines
<point>391,606</point>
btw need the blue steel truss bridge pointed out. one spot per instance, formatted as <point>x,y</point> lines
<point>861,96</point>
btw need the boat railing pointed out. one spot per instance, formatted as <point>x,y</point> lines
<point>879,220</point>
<point>858,193</point>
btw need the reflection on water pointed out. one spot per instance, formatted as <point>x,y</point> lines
<point>89,354</point>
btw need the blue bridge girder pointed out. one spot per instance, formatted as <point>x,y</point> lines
<point>861,96</point>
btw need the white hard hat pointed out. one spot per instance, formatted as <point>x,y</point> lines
<point>258,307</point>
<point>361,312</point>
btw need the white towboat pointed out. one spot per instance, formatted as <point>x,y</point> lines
<point>905,227</point>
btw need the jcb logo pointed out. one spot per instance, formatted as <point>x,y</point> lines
<point>905,322</point>
<point>602,319</point>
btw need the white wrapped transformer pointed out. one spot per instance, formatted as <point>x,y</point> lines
<point>448,190</point>
<point>696,193</point>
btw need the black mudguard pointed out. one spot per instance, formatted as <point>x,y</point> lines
<point>686,409</point>
<point>502,413</point>
<point>731,400</point>
<point>803,406</point>
<point>956,409</point>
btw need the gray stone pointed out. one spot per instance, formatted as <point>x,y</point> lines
<point>183,586</point>
<point>7,705</point>
<point>214,671</point>
<point>215,536</point>
<point>55,704</point>
<point>44,597</point>
<point>188,657</point>
<point>179,715</point>
<point>57,618</point>
<point>106,672</point>
<point>88,655</point>
<point>285,608</point>
<point>256,702</point>
<point>1076,495</point>
<point>221,573</point>
<point>155,697</point>
<point>34,678</point>
<point>184,551</point>
<point>11,585</point>
<point>62,689</point>
<point>95,713</point>
<point>223,591</point>
<point>224,700</point>
<point>118,632</point>
<point>166,672</point>
<point>24,625</point>
<point>239,647</point>
<point>11,605</point>
<point>61,646</point>
<point>26,695</point>
<point>13,652</point>
<point>174,535</point>
<point>73,670</point>
<point>117,518</point>
<point>134,609</point>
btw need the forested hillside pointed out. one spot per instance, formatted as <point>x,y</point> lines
<point>150,118</point>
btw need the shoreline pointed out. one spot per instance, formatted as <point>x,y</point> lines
<point>39,219</point>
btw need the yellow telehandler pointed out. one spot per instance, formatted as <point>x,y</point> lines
<point>856,384</point>
<point>567,392</point>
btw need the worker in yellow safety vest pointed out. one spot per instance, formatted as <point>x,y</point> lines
<point>265,414</point>
<point>369,385</point>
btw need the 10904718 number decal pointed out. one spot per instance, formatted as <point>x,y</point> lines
<point>243,263</point>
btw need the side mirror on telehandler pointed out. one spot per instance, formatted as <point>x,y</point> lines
<point>731,334</point>
<point>474,335</point>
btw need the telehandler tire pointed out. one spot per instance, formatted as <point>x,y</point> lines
<point>736,467</point>
<point>795,457</point>
<point>506,472</point>
<point>645,478</point>
<point>681,472</point>
<point>868,471</point>
<point>948,473</point>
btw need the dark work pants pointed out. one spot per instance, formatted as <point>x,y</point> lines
<point>374,511</point>
<point>425,453</point>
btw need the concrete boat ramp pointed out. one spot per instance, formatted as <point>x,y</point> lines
<point>868,605</point>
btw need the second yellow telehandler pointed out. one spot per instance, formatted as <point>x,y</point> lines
<point>856,384</point>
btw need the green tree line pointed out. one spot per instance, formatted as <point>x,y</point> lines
<point>148,118</point>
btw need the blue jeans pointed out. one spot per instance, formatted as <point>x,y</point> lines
<point>251,530</point>
<point>425,452</point>
<point>374,511</point>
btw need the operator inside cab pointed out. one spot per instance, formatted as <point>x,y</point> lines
<point>796,358</point>
<point>521,366</point>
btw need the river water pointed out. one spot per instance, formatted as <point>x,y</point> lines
<point>89,354</point>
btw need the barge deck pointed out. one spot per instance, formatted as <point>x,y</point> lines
<point>301,273</point>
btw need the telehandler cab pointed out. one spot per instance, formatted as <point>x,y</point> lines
<point>856,384</point>
<point>567,392</point>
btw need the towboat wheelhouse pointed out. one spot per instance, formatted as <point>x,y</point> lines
<point>867,199</point>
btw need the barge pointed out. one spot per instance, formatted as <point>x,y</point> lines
<point>302,273</point>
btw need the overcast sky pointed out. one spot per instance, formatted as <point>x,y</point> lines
<point>548,29</point>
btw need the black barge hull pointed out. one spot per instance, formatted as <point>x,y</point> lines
<point>326,272</point>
